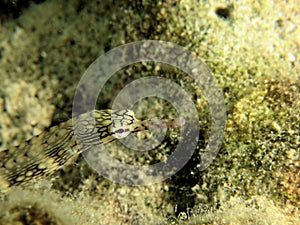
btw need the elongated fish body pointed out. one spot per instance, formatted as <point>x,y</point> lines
<point>46,153</point>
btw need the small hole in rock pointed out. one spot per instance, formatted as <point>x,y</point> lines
<point>223,13</point>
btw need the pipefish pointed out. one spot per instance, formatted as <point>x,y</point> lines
<point>44,154</point>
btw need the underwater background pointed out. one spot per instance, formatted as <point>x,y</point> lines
<point>252,49</point>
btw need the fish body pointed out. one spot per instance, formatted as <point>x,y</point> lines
<point>47,152</point>
<point>44,154</point>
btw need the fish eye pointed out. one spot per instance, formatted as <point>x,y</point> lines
<point>120,132</point>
